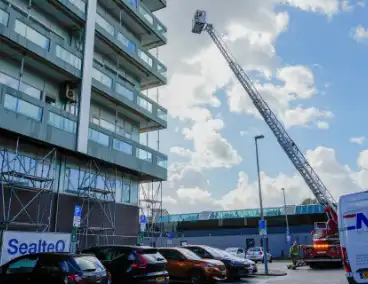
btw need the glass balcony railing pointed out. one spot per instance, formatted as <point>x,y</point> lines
<point>143,103</point>
<point>81,5</point>
<point>62,123</point>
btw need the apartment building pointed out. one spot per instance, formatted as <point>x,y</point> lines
<point>72,108</point>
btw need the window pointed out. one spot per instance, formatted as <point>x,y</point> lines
<point>101,77</point>
<point>145,57</point>
<point>98,137</point>
<point>63,123</point>
<point>144,103</point>
<point>126,192</point>
<point>21,86</point>
<point>31,34</point>
<point>127,42</point>
<point>134,3</point>
<point>143,11</point>
<point>162,70</point>
<point>4,18</point>
<point>134,192</point>
<point>81,5</point>
<point>144,155</point>
<point>68,57</point>
<point>162,162</point>
<point>128,130</point>
<point>123,147</point>
<point>23,265</point>
<point>172,254</point>
<point>23,107</point>
<point>124,91</point>
<point>161,114</point>
<point>105,25</point>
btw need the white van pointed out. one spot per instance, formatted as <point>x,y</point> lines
<point>353,228</point>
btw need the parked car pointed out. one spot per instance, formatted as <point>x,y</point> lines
<point>132,264</point>
<point>257,254</point>
<point>235,268</point>
<point>55,268</point>
<point>184,264</point>
<point>239,252</point>
<point>249,264</point>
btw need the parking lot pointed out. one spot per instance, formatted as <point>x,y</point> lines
<point>300,276</point>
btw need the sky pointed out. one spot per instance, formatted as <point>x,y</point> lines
<point>307,58</point>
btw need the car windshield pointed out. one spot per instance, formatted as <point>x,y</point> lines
<point>189,254</point>
<point>215,252</point>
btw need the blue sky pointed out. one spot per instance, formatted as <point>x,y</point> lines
<point>322,42</point>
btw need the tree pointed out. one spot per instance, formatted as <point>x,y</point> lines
<point>309,201</point>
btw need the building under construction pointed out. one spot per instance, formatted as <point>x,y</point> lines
<point>73,112</point>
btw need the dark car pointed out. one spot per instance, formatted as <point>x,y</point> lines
<point>235,268</point>
<point>55,268</point>
<point>132,264</point>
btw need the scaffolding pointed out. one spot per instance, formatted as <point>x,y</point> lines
<point>96,196</point>
<point>26,190</point>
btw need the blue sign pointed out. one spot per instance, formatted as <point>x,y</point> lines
<point>169,236</point>
<point>142,219</point>
<point>288,233</point>
<point>77,211</point>
<point>262,225</point>
<point>288,236</point>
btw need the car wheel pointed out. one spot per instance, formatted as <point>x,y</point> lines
<point>197,277</point>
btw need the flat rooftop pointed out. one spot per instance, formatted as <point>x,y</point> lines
<point>244,213</point>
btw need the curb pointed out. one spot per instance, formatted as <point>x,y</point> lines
<point>270,273</point>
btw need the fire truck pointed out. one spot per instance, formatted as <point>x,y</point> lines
<point>326,245</point>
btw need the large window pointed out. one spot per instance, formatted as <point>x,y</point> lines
<point>144,155</point>
<point>105,25</point>
<point>19,85</point>
<point>145,57</point>
<point>162,162</point>
<point>123,147</point>
<point>127,42</point>
<point>31,34</point>
<point>101,77</point>
<point>124,91</point>
<point>63,123</point>
<point>4,18</point>
<point>98,137</point>
<point>144,103</point>
<point>68,57</point>
<point>144,12</point>
<point>81,5</point>
<point>162,114</point>
<point>23,107</point>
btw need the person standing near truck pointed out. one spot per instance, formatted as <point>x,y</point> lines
<point>294,253</point>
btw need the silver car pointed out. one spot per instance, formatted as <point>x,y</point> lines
<point>250,265</point>
<point>257,254</point>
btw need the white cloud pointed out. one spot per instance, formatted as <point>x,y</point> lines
<point>361,4</point>
<point>360,34</point>
<point>297,84</point>
<point>339,179</point>
<point>357,140</point>
<point>323,125</point>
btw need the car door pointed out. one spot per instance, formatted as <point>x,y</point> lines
<point>177,266</point>
<point>19,270</point>
<point>49,270</point>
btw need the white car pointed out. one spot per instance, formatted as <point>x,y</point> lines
<point>257,254</point>
<point>239,252</point>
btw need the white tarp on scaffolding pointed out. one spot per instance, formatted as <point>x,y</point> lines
<point>16,243</point>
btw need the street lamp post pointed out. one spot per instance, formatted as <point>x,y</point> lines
<point>286,217</point>
<point>264,237</point>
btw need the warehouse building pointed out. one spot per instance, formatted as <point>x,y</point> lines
<point>72,109</point>
<point>239,228</point>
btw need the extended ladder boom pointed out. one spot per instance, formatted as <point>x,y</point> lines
<point>319,190</point>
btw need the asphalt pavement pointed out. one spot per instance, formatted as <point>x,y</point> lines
<point>300,276</point>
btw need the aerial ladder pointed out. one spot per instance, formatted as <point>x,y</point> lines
<point>326,247</point>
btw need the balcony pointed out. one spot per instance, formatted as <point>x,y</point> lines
<point>29,116</point>
<point>148,113</point>
<point>137,18</point>
<point>111,147</point>
<point>154,5</point>
<point>23,35</point>
<point>136,61</point>
<point>69,13</point>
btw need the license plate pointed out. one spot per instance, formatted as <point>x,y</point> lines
<point>364,275</point>
<point>223,273</point>
<point>160,279</point>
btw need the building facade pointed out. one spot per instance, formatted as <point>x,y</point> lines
<point>239,228</point>
<point>72,109</point>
